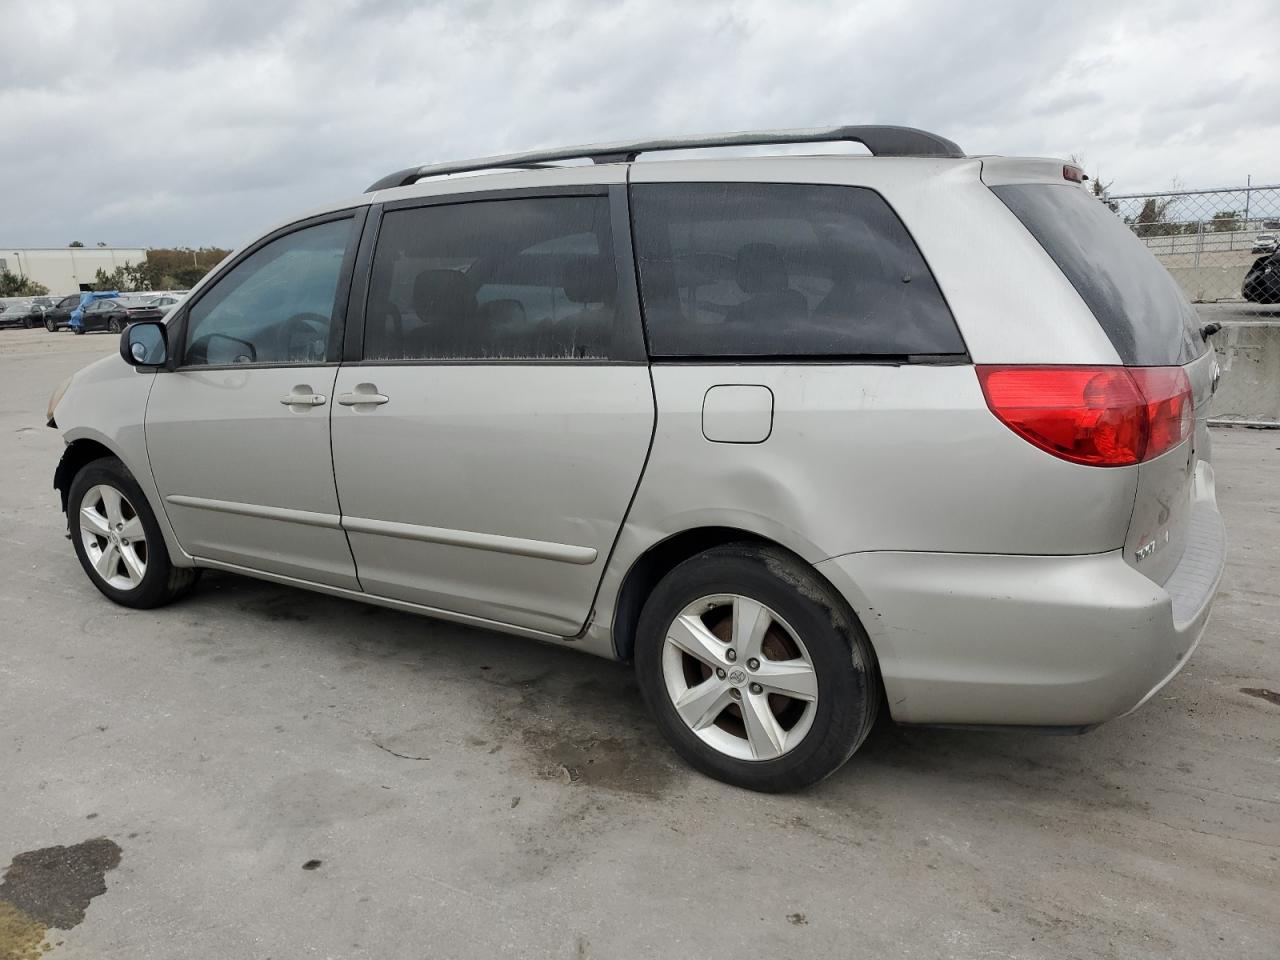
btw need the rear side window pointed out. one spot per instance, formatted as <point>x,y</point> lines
<point>783,270</point>
<point>517,279</point>
<point>1138,304</point>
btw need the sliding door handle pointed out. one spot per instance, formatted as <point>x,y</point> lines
<point>303,400</point>
<point>364,393</point>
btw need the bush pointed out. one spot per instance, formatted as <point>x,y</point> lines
<point>12,285</point>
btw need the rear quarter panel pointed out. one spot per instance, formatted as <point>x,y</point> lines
<point>870,457</point>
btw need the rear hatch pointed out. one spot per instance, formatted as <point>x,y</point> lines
<point>1149,321</point>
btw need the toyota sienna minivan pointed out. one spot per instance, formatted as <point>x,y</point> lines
<point>799,436</point>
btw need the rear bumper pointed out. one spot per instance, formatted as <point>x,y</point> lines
<point>1032,640</point>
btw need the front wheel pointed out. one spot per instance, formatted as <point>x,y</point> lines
<point>50,325</point>
<point>117,538</point>
<point>77,330</point>
<point>755,669</point>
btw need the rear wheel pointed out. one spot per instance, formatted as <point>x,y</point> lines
<point>115,326</point>
<point>755,669</point>
<point>118,541</point>
<point>78,330</point>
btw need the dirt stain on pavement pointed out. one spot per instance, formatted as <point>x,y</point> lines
<point>592,733</point>
<point>620,765</point>
<point>47,888</point>
<point>1262,694</point>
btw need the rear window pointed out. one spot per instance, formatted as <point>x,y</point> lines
<point>783,270</point>
<point>1138,304</point>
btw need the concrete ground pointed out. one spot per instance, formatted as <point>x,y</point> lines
<point>278,774</point>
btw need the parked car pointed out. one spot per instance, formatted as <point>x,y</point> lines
<point>115,314</point>
<point>24,312</point>
<point>59,315</point>
<point>88,298</point>
<point>803,438</point>
<point>1262,282</point>
<point>165,300</point>
<point>1264,243</point>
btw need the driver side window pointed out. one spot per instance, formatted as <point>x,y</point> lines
<point>275,306</point>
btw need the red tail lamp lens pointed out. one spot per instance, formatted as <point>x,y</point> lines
<point>1099,416</point>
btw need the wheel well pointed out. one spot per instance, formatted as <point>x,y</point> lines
<point>661,558</point>
<point>78,454</point>
<point>656,563</point>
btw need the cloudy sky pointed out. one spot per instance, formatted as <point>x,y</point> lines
<point>194,122</point>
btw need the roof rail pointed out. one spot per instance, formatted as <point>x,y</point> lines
<point>881,141</point>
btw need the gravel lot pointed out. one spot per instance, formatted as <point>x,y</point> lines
<point>471,795</point>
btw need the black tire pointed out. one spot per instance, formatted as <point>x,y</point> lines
<point>841,655</point>
<point>115,326</point>
<point>78,330</point>
<point>162,582</point>
<point>50,325</point>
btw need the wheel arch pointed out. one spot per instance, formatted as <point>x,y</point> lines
<point>78,454</point>
<point>663,556</point>
<point>84,446</point>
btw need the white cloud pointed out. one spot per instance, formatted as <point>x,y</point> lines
<point>199,122</point>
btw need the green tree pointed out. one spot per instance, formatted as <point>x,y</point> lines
<point>75,243</point>
<point>130,278</point>
<point>1225,221</point>
<point>188,277</point>
<point>181,267</point>
<point>12,285</point>
<point>1152,221</point>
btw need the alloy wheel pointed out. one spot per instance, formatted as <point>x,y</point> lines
<point>113,537</point>
<point>739,677</point>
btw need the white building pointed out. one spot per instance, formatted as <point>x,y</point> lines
<point>66,269</point>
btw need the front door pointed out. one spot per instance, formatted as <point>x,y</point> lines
<point>238,434</point>
<point>488,444</point>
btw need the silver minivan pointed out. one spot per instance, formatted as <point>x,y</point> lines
<point>794,434</point>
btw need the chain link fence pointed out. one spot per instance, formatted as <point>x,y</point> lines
<point>1208,239</point>
<point>1248,352</point>
<point>1215,244</point>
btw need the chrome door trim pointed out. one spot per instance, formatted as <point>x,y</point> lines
<point>305,517</point>
<point>402,605</point>
<point>520,547</point>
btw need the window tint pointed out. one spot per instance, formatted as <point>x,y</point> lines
<point>276,305</point>
<point>493,280</point>
<point>69,303</point>
<point>761,270</point>
<point>1145,314</point>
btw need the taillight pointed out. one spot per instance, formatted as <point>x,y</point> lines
<point>1099,416</point>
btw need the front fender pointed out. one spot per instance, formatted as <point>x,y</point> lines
<point>104,410</point>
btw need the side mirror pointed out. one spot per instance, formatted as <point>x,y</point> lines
<point>145,344</point>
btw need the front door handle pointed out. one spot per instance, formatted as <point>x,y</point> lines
<point>364,393</point>
<point>302,398</point>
